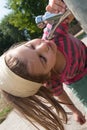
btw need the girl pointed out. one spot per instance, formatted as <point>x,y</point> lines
<point>46,63</point>
<point>23,86</point>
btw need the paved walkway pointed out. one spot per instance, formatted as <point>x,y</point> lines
<point>16,122</point>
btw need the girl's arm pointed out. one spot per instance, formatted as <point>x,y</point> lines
<point>79,117</point>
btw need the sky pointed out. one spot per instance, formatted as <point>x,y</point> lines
<point>3,11</point>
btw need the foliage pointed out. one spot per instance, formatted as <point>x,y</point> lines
<point>20,24</point>
<point>10,34</point>
<point>24,13</point>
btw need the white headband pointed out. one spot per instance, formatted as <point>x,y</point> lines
<point>14,84</point>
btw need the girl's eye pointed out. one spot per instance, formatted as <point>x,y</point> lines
<point>32,46</point>
<point>43,59</point>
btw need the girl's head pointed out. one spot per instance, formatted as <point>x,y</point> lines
<point>39,56</point>
<point>32,61</point>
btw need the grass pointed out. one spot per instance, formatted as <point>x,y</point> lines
<point>81,35</point>
<point>4,113</point>
<point>5,109</point>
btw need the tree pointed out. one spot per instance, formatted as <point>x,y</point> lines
<point>10,34</point>
<point>24,13</point>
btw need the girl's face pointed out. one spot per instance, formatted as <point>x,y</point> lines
<point>39,55</point>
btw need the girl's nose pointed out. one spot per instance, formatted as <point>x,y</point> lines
<point>43,47</point>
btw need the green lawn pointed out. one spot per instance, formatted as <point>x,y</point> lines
<point>5,108</point>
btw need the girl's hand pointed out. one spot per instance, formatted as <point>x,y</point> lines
<point>56,6</point>
<point>79,117</point>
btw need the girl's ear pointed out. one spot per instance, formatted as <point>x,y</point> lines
<point>11,61</point>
